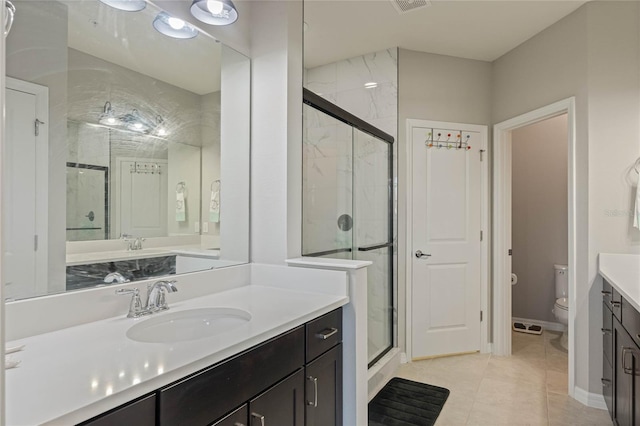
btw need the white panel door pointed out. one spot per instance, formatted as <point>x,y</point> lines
<point>446,279</point>
<point>142,203</point>
<point>19,195</point>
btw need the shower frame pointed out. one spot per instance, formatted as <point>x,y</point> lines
<point>321,104</point>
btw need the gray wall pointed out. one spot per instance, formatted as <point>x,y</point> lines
<point>539,215</point>
<point>575,57</point>
<point>441,88</point>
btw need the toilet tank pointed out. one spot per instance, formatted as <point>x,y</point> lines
<point>562,280</point>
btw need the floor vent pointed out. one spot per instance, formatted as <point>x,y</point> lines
<point>404,6</point>
<point>527,328</point>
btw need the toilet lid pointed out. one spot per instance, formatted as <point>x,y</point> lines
<point>563,303</point>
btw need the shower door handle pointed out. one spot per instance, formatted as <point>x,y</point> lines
<point>420,254</point>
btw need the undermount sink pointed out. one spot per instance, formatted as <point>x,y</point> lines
<point>192,324</point>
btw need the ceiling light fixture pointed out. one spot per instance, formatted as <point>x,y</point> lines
<point>214,12</point>
<point>174,27</point>
<point>370,85</point>
<point>126,5</point>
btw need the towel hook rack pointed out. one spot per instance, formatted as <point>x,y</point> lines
<point>180,187</point>
<point>215,183</point>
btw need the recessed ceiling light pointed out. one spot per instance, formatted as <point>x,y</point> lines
<point>126,5</point>
<point>214,12</point>
<point>370,85</point>
<point>174,27</point>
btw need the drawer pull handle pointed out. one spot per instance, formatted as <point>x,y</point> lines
<point>615,303</point>
<point>605,292</point>
<point>314,403</point>
<point>608,331</point>
<point>325,334</point>
<point>257,416</point>
<point>606,383</point>
<point>624,360</point>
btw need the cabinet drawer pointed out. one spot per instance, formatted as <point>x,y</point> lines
<point>631,321</point>
<point>616,304</point>
<point>323,333</point>
<point>139,413</point>
<point>208,395</point>
<point>607,291</point>
<point>607,333</point>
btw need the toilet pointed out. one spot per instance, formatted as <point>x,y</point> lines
<point>561,306</point>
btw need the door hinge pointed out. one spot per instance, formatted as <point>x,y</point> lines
<point>37,126</point>
<point>35,243</point>
<point>510,252</point>
<point>481,235</point>
<point>480,316</point>
<point>482,151</point>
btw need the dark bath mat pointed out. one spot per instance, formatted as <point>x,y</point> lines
<point>404,402</point>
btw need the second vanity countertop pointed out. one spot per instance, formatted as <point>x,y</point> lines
<point>71,375</point>
<point>622,271</point>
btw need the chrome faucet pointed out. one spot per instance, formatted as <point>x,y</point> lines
<point>156,298</point>
<point>115,276</point>
<point>132,243</point>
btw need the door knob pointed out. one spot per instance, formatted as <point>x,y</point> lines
<point>420,254</point>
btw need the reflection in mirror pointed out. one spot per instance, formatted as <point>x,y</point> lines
<point>138,161</point>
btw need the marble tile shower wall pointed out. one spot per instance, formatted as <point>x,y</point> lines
<point>328,149</point>
<point>331,176</point>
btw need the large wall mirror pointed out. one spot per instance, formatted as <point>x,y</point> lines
<point>127,149</point>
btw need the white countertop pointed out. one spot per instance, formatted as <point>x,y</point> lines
<point>622,271</point>
<point>74,374</point>
<point>118,255</point>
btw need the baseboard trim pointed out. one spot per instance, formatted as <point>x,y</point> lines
<point>553,326</point>
<point>593,400</point>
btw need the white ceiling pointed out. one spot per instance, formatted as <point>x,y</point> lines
<point>483,30</point>
<point>129,40</point>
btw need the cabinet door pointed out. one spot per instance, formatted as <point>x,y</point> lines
<point>238,418</point>
<point>282,405</point>
<point>324,389</point>
<point>623,367</point>
<point>139,413</point>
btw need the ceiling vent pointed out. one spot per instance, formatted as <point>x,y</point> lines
<point>404,6</point>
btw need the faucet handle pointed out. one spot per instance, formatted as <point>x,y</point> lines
<point>135,307</point>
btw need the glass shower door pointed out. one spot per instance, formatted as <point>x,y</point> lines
<point>327,205</point>
<point>347,209</point>
<point>373,237</point>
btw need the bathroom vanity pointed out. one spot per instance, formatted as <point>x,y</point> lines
<point>283,361</point>
<point>290,378</point>
<point>621,336</point>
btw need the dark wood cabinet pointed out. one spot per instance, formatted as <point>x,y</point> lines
<point>291,380</point>
<point>239,417</point>
<point>620,358</point>
<point>323,389</point>
<point>281,405</point>
<point>140,413</point>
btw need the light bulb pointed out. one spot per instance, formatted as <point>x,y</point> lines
<point>162,132</point>
<point>111,120</point>
<point>137,126</point>
<point>176,23</point>
<point>215,7</point>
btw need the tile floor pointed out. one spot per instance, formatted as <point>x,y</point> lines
<point>528,388</point>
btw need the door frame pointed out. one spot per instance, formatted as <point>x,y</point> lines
<point>41,94</point>
<point>502,303</point>
<point>485,346</point>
